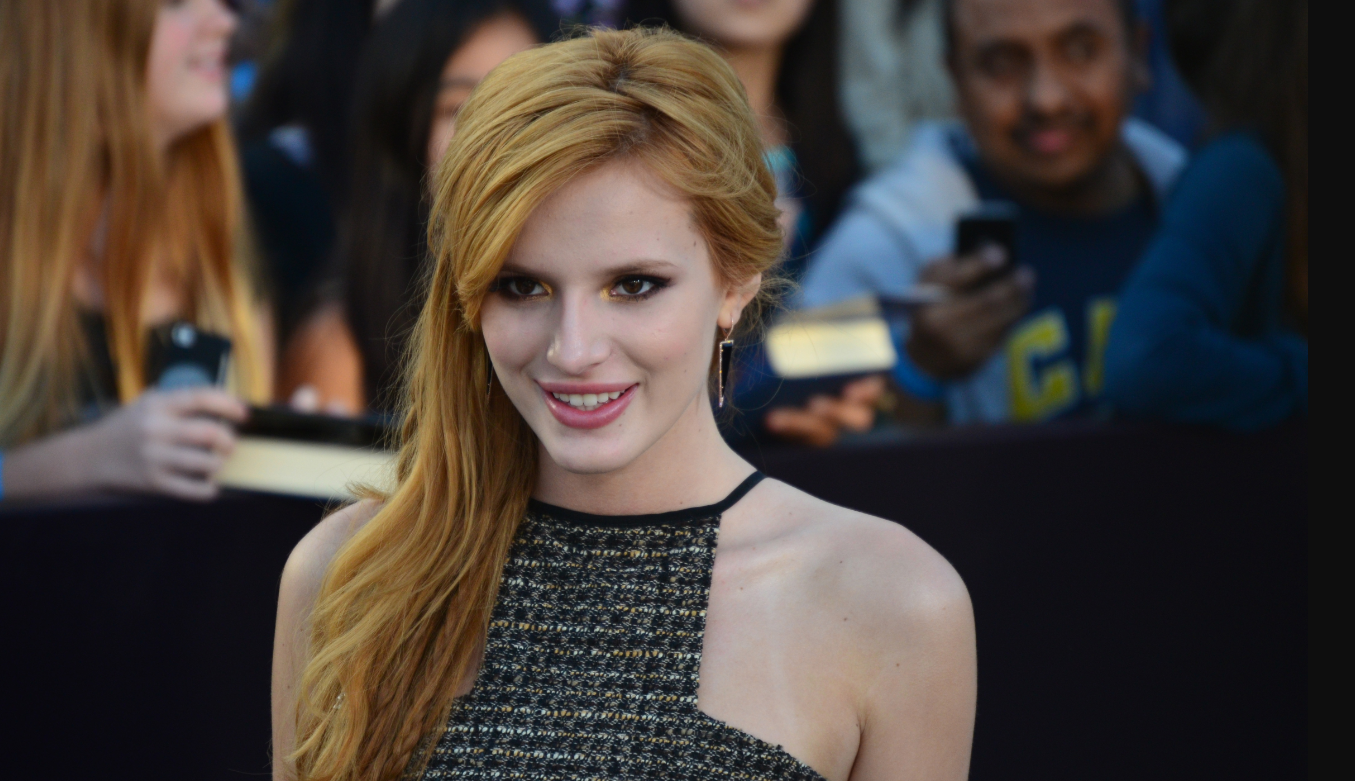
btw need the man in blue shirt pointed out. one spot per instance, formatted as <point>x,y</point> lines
<point>1045,88</point>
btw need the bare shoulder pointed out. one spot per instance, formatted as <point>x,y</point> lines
<point>310,558</point>
<point>870,570</point>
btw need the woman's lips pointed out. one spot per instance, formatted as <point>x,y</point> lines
<point>599,416</point>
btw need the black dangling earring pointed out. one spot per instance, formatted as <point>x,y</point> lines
<point>726,360</point>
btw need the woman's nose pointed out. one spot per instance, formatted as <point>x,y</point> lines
<point>580,341</point>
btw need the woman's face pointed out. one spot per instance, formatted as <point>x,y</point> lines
<point>186,70</point>
<point>494,41</point>
<point>603,319</point>
<point>740,24</point>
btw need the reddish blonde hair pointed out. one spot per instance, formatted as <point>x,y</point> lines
<point>405,603</point>
<point>74,132</point>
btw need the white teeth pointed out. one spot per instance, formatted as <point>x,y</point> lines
<point>587,401</point>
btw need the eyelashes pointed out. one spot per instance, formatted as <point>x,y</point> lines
<point>636,287</point>
<point>519,288</point>
<point>630,288</point>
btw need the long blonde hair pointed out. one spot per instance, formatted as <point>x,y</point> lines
<point>75,134</point>
<point>405,603</point>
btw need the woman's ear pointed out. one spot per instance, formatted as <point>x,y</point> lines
<point>736,298</point>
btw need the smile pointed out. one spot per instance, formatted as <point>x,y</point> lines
<point>587,401</point>
<point>586,406</point>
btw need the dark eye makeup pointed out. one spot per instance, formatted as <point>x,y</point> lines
<point>636,287</point>
<point>631,287</point>
<point>519,288</point>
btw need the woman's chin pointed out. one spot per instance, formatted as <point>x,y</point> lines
<point>587,463</point>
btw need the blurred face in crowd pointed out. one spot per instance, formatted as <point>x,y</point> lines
<point>1044,84</point>
<point>491,43</point>
<point>186,70</point>
<point>601,328</point>
<point>739,24</point>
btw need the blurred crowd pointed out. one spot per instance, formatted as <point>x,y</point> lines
<point>260,169</point>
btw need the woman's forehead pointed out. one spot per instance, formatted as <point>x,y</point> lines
<point>618,214</point>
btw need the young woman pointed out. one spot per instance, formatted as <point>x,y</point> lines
<point>1213,324</point>
<point>541,595</point>
<point>420,65</point>
<point>119,211</point>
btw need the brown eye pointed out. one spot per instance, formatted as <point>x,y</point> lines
<point>523,286</point>
<point>636,288</point>
<point>520,287</point>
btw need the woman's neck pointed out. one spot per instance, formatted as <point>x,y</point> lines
<point>758,68</point>
<point>690,466</point>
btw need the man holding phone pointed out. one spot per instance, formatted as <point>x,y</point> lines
<point>1044,88</point>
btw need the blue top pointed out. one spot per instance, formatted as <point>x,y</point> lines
<point>1200,335</point>
<point>1080,262</point>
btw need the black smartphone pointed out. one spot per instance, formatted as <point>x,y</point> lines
<point>992,223</point>
<point>184,356</point>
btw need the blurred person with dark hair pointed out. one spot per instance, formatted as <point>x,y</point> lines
<point>120,210</point>
<point>1213,323</point>
<point>785,53</point>
<point>419,66</point>
<point>293,140</point>
<point>1045,88</point>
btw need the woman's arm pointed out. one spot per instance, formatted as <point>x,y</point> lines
<point>1173,353</point>
<point>917,710</point>
<point>301,580</point>
<point>172,443</point>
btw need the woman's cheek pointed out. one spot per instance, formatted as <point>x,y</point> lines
<point>664,350</point>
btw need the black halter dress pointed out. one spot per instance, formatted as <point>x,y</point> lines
<point>593,658</point>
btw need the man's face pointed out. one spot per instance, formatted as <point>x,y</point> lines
<point>1043,85</point>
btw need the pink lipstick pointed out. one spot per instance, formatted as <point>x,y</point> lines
<point>587,405</point>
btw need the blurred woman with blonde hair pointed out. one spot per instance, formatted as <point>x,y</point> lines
<point>119,211</point>
<point>540,594</point>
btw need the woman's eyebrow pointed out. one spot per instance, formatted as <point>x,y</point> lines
<point>645,266</point>
<point>630,267</point>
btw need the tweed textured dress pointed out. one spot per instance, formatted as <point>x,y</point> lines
<point>593,655</point>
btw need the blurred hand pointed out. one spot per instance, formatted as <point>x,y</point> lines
<point>951,339</point>
<point>823,419</point>
<point>171,442</point>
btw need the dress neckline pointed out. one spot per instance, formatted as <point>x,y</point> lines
<point>579,518</point>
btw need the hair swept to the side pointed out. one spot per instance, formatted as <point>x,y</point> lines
<point>404,604</point>
<point>75,138</point>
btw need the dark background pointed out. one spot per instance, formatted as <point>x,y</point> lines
<point>1140,595</point>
